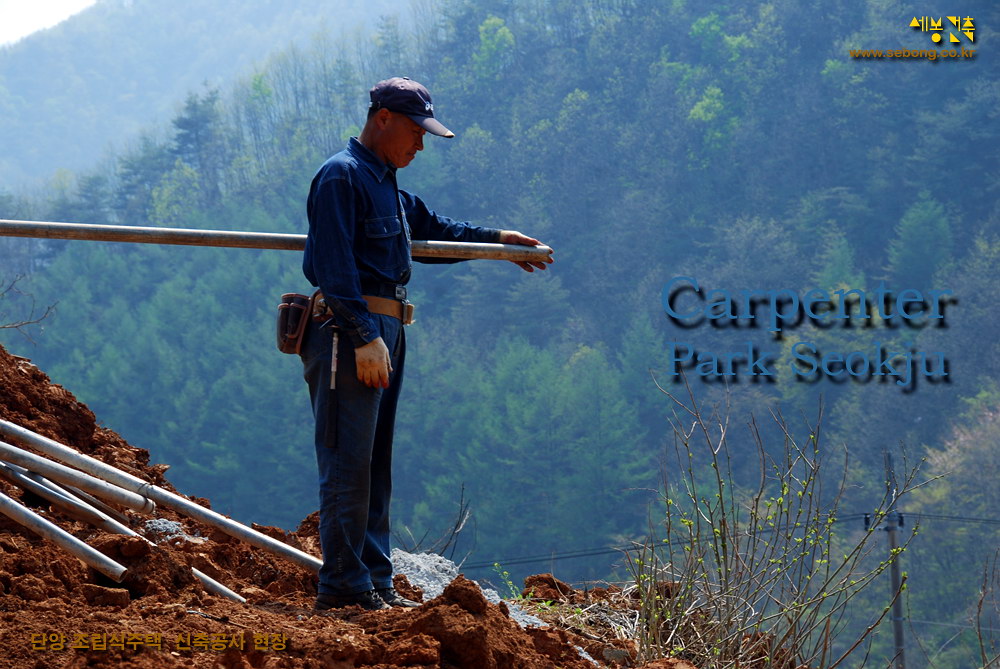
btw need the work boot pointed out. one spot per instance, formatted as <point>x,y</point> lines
<point>392,598</point>
<point>367,600</point>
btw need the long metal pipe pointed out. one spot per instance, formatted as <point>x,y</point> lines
<point>53,532</point>
<point>73,493</point>
<point>215,587</point>
<point>72,508</point>
<point>253,240</point>
<point>171,500</point>
<point>92,484</point>
<point>79,509</point>
<point>84,497</point>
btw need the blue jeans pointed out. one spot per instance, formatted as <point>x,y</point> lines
<point>354,425</point>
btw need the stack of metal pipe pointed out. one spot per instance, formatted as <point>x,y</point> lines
<point>76,483</point>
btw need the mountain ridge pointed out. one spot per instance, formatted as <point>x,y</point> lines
<point>123,65</point>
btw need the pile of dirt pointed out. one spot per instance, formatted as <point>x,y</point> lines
<point>57,612</point>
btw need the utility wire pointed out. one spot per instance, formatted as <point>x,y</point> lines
<point>961,519</point>
<point>608,550</point>
<point>528,559</point>
<point>939,624</point>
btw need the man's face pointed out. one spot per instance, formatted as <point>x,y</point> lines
<point>400,140</point>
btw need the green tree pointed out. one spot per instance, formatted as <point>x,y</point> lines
<point>140,170</point>
<point>496,50</point>
<point>836,267</point>
<point>199,142</point>
<point>94,198</point>
<point>922,243</point>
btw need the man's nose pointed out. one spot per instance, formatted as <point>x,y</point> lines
<point>420,143</point>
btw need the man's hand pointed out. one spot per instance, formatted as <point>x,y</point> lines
<point>373,364</point>
<point>515,237</point>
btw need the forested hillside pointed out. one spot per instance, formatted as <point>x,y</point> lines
<point>736,143</point>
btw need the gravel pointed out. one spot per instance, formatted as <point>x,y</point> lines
<point>431,573</point>
<point>163,529</point>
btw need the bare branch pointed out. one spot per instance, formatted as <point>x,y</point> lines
<point>9,289</point>
<point>748,577</point>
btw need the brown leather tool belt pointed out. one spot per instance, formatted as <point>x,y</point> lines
<point>398,309</point>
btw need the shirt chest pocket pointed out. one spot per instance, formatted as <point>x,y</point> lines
<point>385,226</point>
<point>386,250</point>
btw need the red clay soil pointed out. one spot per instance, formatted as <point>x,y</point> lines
<point>57,612</point>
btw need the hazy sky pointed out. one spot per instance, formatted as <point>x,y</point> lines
<point>23,17</point>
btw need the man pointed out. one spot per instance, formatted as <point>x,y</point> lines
<point>358,254</point>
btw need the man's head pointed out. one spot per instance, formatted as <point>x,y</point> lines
<point>405,96</point>
<point>400,113</point>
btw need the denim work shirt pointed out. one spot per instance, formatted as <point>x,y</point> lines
<point>360,225</point>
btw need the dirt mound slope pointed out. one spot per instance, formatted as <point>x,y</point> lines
<point>57,612</point>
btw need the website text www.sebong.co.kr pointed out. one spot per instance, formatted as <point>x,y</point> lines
<point>925,54</point>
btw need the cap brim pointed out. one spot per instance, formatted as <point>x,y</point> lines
<point>432,125</point>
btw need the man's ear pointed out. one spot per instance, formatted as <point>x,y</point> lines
<point>382,118</point>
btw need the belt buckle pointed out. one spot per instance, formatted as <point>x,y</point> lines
<point>407,307</point>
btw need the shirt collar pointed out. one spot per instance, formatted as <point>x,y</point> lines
<point>369,159</point>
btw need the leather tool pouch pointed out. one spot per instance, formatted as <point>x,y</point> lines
<point>294,313</point>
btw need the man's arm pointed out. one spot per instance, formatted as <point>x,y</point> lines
<point>329,259</point>
<point>428,225</point>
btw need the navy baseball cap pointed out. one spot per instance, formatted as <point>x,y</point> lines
<point>405,96</point>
